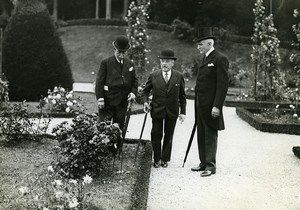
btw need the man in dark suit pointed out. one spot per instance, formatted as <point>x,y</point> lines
<point>116,83</point>
<point>168,96</point>
<point>211,89</point>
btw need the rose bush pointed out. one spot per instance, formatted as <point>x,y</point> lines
<point>85,145</point>
<point>62,100</point>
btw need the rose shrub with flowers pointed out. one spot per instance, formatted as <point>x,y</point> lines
<point>265,54</point>
<point>86,145</point>
<point>60,193</point>
<point>62,100</point>
<point>16,123</point>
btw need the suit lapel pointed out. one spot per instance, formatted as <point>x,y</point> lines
<point>209,58</point>
<point>117,65</point>
<point>172,80</point>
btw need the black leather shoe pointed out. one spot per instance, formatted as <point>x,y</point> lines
<point>198,168</point>
<point>164,164</point>
<point>156,164</point>
<point>207,173</point>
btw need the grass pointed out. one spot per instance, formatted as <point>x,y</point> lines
<point>86,46</point>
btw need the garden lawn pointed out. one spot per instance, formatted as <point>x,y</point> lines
<point>26,166</point>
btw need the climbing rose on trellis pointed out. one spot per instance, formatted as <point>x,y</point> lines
<point>137,24</point>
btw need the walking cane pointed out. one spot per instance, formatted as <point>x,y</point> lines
<point>126,122</point>
<point>142,131</point>
<point>190,143</point>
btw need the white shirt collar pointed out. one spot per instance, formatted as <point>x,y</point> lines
<point>118,59</point>
<point>209,51</point>
<point>169,73</point>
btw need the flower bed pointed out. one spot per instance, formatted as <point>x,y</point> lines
<point>112,190</point>
<point>262,124</point>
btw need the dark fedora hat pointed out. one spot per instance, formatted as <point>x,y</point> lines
<point>167,54</point>
<point>121,43</point>
<point>204,33</point>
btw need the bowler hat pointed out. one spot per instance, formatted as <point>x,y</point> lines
<point>121,43</point>
<point>204,33</point>
<point>167,54</point>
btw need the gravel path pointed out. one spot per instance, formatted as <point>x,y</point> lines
<point>255,170</point>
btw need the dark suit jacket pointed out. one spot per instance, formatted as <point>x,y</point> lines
<point>211,87</point>
<point>120,80</point>
<point>166,100</point>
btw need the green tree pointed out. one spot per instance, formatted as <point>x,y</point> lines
<point>33,56</point>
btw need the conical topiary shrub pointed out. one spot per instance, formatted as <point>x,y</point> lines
<point>33,56</point>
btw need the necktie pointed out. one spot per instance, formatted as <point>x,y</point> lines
<point>204,57</point>
<point>166,78</point>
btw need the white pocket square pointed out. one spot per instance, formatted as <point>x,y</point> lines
<point>210,64</point>
<point>105,87</point>
<point>131,68</point>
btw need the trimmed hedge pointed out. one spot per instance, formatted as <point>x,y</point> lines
<point>296,151</point>
<point>257,104</point>
<point>265,126</point>
<point>33,56</point>
<point>115,22</point>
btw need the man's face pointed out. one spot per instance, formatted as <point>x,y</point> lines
<point>120,54</point>
<point>166,64</point>
<point>204,46</point>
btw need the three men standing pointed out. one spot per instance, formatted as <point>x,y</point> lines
<point>168,103</point>
<point>210,92</point>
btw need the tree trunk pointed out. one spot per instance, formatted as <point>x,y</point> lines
<point>55,10</point>
<point>108,9</point>
<point>125,8</point>
<point>97,9</point>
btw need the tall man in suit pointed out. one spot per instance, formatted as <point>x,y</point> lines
<point>116,83</point>
<point>168,97</point>
<point>211,89</point>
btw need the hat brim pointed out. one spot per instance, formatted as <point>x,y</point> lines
<point>204,38</point>
<point>171,58</point>
<point>119,49</point>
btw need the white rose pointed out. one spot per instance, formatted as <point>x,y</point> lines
<point>73,203</point>
<point>50,169</point>
<point>23,190</point>
<point>69,103</point>
<point>68,109</point>
<point>87,179</point>
<point>58,96</point>
<point>53,101</point>
<point>69,95</point>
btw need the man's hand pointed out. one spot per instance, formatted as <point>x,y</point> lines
<point>101,103</point>
<point>147,107</point>
<point>131,96</point>
<point>181,118</point>
<point>215,112</point>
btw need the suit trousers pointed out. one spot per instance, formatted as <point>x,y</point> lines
<point>160,126</point>
<point>207,143</point>
<point>115,113</point>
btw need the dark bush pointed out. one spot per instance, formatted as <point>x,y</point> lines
<point>33,56</point>
<point>182,30</point>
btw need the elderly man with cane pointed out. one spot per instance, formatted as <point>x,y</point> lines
<point>168,103</point>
